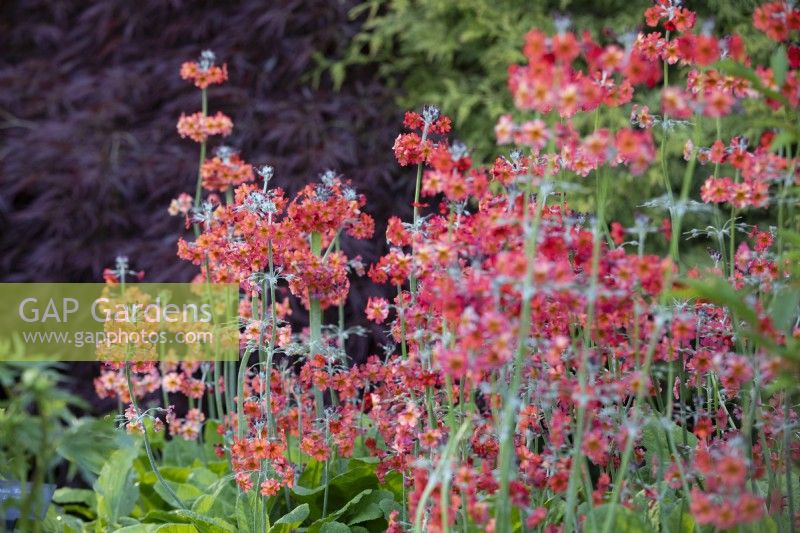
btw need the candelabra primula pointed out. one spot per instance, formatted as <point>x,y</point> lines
<point>546,373</point>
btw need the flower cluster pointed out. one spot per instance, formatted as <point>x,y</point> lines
<point>414,148</point>
<point>550,81</point>
<point>204,72</point>
<point>199,127</point>
<point>777,19</point>
<point>546,370</point>
<point>225,171</point>
<point>240,239</point>
<point>755,171</point>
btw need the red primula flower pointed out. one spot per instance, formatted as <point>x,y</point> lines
<point>204,72</point>
<point>377,309</point>
<point>199,127</point>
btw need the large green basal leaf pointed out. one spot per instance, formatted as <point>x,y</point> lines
<point>288,522</point>
<point>115,488</point>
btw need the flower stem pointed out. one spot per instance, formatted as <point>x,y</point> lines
<point>503,511</point>
<point>146,440</point>
<point>272,339</point>
<point>243,365</point>
<point>412,280</point>
<point>315,320</point>
<point>401,314</point>
<point>787,450</point>
<point>450,448</point>
<point>199,188</point>
<point>626,454</point>
<point>577,457</point>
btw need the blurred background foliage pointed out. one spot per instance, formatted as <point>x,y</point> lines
<point>44,436</point>
<point>456,55</point>
<point>89,153</point>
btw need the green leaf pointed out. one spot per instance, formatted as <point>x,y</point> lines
<point>206,524</point>
<point>178,474</point>
<point>220,468</point>
<point>352,506</point>
<point>393,481</point>
<point>179,452</point>
<point>781,140</point>
<point>337,74</point>
<point>159,516</point>
<point>67,495</point>
<point>387,506</point>
<point>211,437</point>
<point>150,501</point>
<point>783,310</point>
<point>302,491</point>
<point>58,521</point>
<point>371,511</point>
<point>88,443</point>
<point>334,527</point>
<point>79,511</point>
<point>375,506</point>
<point>184,491</point>
<point>312,474</point>
<point>249,512</point>
<point>679,520</point>
<point>624,520</point>
<point>159,528</point>
<point>115,488</point>
<point>221,501</point>
<point>291,520</point>
<point>654,438</point>
<point>197,476</point>
<point>648,510</point>
<point>767,524</point>
<point>177,528</point>
<point>790,236</point>
<point>779,63</point>
<point>141,528</point>
<point>359,477</point>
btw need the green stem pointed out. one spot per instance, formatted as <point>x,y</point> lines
<point>199,188</point>
<point>503,511</point>
<point>781,208</point>
<point>577,456</point>
<point>243,365</point>
<point>402,314</point>
<point>340,307</point>
<point>450,448</point>
<point>146,440</point>
<point>315,321</point>
<point>218,389</point>
<point>732,229</point>
<point>637,406</point>
<point>413,278</point>
<point>451,422</point>
<point>325,492</point>
<point>272,339</point>
<point>787,451</point>
<point>230,384</point>
<point>685,187</point>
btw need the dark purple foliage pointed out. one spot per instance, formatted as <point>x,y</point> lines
<point>91,94</point>
<point>89,154</point>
